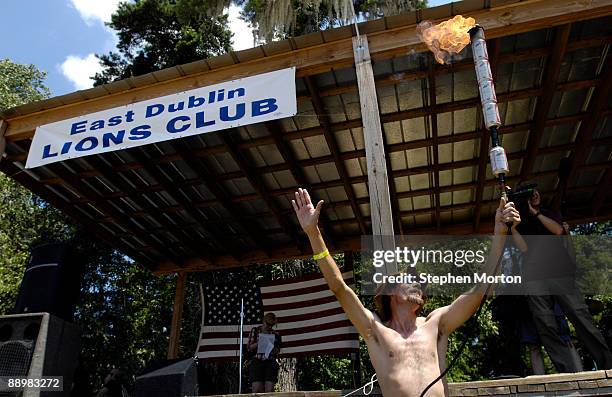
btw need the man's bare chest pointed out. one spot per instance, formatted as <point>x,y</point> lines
<point>417,349</point>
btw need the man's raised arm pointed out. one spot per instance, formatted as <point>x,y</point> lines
<point>308,215</point>
<point>458,312</point>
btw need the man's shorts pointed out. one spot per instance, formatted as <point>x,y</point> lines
<point>263,370</point>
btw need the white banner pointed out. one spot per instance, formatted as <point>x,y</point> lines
<point>231,104</point>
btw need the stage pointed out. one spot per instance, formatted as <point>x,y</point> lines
<point>590,383</point>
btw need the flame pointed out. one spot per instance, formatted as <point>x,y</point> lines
<point>446,38</point>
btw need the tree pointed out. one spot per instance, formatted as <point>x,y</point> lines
<point>279,19</point>
<point>25,219</point>
<point>20,84</point>
<point>124,310</point>
<point>157,34</point>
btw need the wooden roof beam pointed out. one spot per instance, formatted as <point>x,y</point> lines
<point>578,214</point>
<point>330,139</point>
<point>196,163</point>
<point>82,189</point>
<point>88,224</point>
<point>381,208</point>
<point>551,77</point>
<point>137,196</point>
<point>178,196</point>
<point>276,131</point>
<point>259,186</point>
<point>597,108</point>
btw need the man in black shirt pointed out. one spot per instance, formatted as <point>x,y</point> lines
<point>546,262</point>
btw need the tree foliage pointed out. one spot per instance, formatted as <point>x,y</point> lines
<point>156,34</point>
<point>279,19</point>
<point>20,84</point>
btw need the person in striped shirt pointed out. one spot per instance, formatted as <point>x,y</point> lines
<point>407,351</point>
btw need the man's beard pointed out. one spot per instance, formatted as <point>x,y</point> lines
<point>413,294</point>
<point>415,298</point>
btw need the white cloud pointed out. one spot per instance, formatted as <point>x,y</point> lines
<point>243,34</point>
<point>80,70</point>
<point>95,10</point>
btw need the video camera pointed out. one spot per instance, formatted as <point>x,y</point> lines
<point>521,197</point>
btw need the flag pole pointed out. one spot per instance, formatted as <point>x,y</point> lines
<point>240,360</point>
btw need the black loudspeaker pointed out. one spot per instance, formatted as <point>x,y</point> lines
<point>51,282</point>
<point>38,345</point>
<point>176,380</point>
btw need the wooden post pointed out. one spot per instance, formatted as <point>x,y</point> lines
<point>378,181</point>
<point>177,316</point>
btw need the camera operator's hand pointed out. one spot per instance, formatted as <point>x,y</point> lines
<point>532,210</point>
<point>505,214</point>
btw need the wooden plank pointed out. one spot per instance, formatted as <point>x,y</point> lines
<point>551,76</point>
<point>177,317</point>
<point>502,21</point>
<point>378,179</point>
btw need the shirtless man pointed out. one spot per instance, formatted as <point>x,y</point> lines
<point>407,351</point>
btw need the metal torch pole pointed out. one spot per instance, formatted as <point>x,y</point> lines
<point>240,360</point>
<point>490,112</point>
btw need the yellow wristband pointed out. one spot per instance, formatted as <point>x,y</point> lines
<point>321,255</point>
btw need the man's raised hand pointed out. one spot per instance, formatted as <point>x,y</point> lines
<point>307,214</point>
<point>506,213</point>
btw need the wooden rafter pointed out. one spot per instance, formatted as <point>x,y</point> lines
<point>138,198</point>
<point>196,163</point>
<point>339,182</point>
<point>141,254</point>
<point>551,76</point>
<point>597,109</point>
<point>330,139</point>
<point>415,193</point>
<point>353,244</point>
<point>259,186</point>
<point>397,147</point>
<point>174,192</point>
<point>278,134</point>
<point>120,218</point>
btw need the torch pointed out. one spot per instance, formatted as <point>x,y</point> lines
<point>490,112</point>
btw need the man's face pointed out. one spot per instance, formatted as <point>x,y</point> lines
<point>535,199</point>
<point>410,293</point>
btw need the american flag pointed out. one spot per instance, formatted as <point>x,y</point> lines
<point>310,319</point>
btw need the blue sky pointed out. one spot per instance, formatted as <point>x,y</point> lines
<point>62,36</point>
